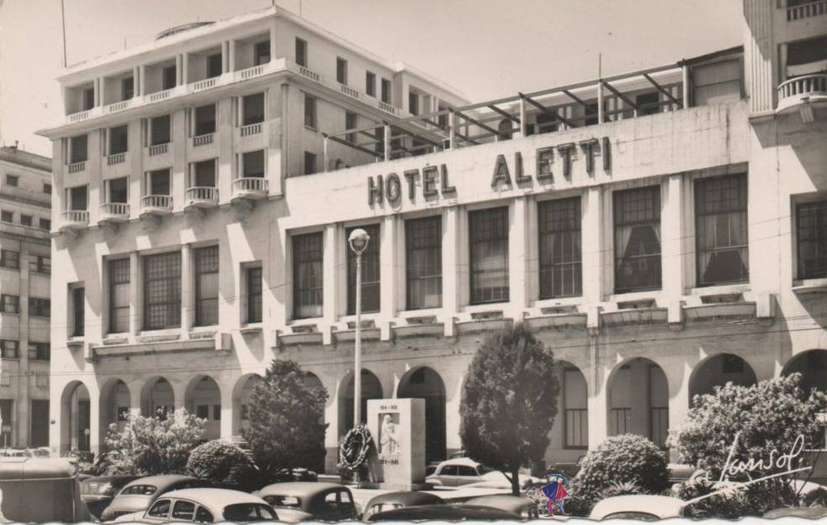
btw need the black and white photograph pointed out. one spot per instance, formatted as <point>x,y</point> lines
<point>404,260</point>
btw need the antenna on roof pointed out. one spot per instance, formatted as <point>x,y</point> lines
<point>599,66</point>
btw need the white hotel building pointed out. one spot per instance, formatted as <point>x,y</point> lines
<point>661,231</point>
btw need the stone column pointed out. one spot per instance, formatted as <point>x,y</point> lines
<point>141,80</point>
<point>673,260</point>
<point>231,48</point>
<point>593,252</point>
<point>187,292</point>
<point>451,274</point>
<point>389,273</point>
<point>26,377</point>
<point>518,260</point>
<point>598,395</point>
<point>330,303</point>
<point>227,411</point>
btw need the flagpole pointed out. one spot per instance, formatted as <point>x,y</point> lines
<point>63,23</point>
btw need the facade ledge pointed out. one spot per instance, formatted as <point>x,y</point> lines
<point>159,336</point>
<point>252,328</point>
<point>74,343</point>
<point>309,338</point>
<point>653,315</point>
<point>481,326</point>
<point>203,332</point>
<point>806,286</point>
<point>346,336</point>
<point>116,339</point>
<point>713,311</point>
<point>153,347</point>
<point>557,321</point>
<point>432,329</point>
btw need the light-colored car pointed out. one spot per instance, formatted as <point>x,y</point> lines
<point>521,507</point>
<point>205,506</point>
<point>310,500</point>
<point>638,507</point>
<point>460,472</point>
<point>138,495</point>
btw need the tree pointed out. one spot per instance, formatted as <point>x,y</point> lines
<point>768,416</point>
<point>153,445</point>
<point>286,413</point>
<point>223,463</point>
<point>509,402</point>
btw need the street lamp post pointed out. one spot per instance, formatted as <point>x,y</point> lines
<point>358,241</point>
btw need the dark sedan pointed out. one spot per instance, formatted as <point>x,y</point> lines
<point>97,492</point>
<point>399,500</point>
<point>442,513</point>
<point>138,495</point>
<point>305,500</point>
<point>519,507</point>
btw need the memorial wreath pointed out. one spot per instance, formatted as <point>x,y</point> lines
<point>355,447</point>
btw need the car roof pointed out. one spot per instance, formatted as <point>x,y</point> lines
<point>406,497</point>
<point>442,512</point>
<point>299,488</point>
<point>214,498</point>
<point>501,501</point>
<point>161,480</point>
<point>460,461</point>
<point>661,506</point>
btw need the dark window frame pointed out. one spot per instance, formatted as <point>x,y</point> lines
<point>254,277</point>
<point>632,210</point>
<point>206,262</point>
<point>429,245</point>
<point>477,242</point>
<point>559,235</point>
<point>7,260</point>
<point>817,236</point>
<point>168,273</point>
<point>77,295</point>
<point>308,261</point>
<point>301,51</point>
<point>119,275</point>
<point>720,189</point>
<point>9,303</point>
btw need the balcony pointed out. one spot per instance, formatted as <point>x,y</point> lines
<point>252,188</point>
<point>118,106</point>
<point>203,140</point>
<point>202,197</point>
<point>115,158</point>
<point>251,129</point>
<point>801,93</point>
<point>156,205</point>
<point>77,167</point>
<point>158,149</point>
<point>800,12</point>
<point>114,212</point>
<point>74,220</point>
<point>160,95</point>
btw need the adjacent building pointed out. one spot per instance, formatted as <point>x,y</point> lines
<point>661,230</point>
<point>25,268</point>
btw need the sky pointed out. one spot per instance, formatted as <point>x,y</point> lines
<point>485,48</point>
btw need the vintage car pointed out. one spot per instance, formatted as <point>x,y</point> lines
<point>442,513</point>
<point>520,507</point>
<point>303,500</point>
<point>812,513</point>
<point>638,507</point>
<point>398,500</point>
<point>204,505</point>
<point>38,490</point>
<point>97,492</point>
<point>460,472</point>
<point>138,495</point>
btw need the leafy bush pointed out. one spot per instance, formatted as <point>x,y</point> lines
<point>509,402</point>
<point>620,488</point>
<point>624,459</point>
<point>153,445</point>
<point>222,463</point>
<point>767,416</point>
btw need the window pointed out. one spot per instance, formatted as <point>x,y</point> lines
<point>39,352</point>
<point>648,103</point>
<point>25,220</point>
<point>351,121</point>
<point>162,291</point>
<point>423,262</point>
<point>202,411</point>
<point>47,188</point>
<point>169,77</point>
<point>183,510</point>
<point>206,286</point>
<point>309,111</point>
<point>261,53</point>
<point>413,103</point>
<point>341,70</point>
<point>560,249</point>
<point>10,304</point>
<point>717,83</point>
<point>118,140</point>
<point>205,120</point>
<point>158,183</point>
<point>370,83</point>
<point>721,230</point>
<point>637,239</point>
<point>203,174</point>
<point>160,509</point>
<point>547,122</point>
<point>307,275</point>
<point>127,88</point>
<point>77,149</point>
<point>159,130</point>
<point>7,216</point>
<point>811,229</point>
<point>9,349</point>
<point>77,198</point>
<point>118,190</point>
<point>12,180</point>
<point>214,66</point>
<point>309,163</point>
<point>119,296</point>
<point>254,293</point>
<point>10,259</point>
<point>78,297</point>
<point>40,264</point>
<point>253,109</point>
<point>301,52</point>
<point>87,99</point>
<point>45,224</point>
<point>252,164</point>
<point>40,307</point>
<point>202,515</point>
<point>370,272</point>
<point>386,91</point>
<point>488,234</point>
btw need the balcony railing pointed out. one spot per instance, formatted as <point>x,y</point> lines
<point>798,12</point>
<point>251,72</point>
<point>116,158</point>
<point>201,140</point>
<point>158,149</point>
<point>309,73</point>
<point>202,196</point>
<point>77,167</point>
<point>75,219</point>
<point>201,85</point>
<point>81,115</point>
<point>384,106</point>
<point>251,129</point>
<point>251,187</point>
<point>160,95</point>
<point>807,88</point>
<point>156,204</point>
<point>118,106</point>
<point>114,211</point>
<point>347,90</point>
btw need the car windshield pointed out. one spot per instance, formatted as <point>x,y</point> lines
<point>249,512</point>
<point>283,501</point>
<point>139,490</point>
